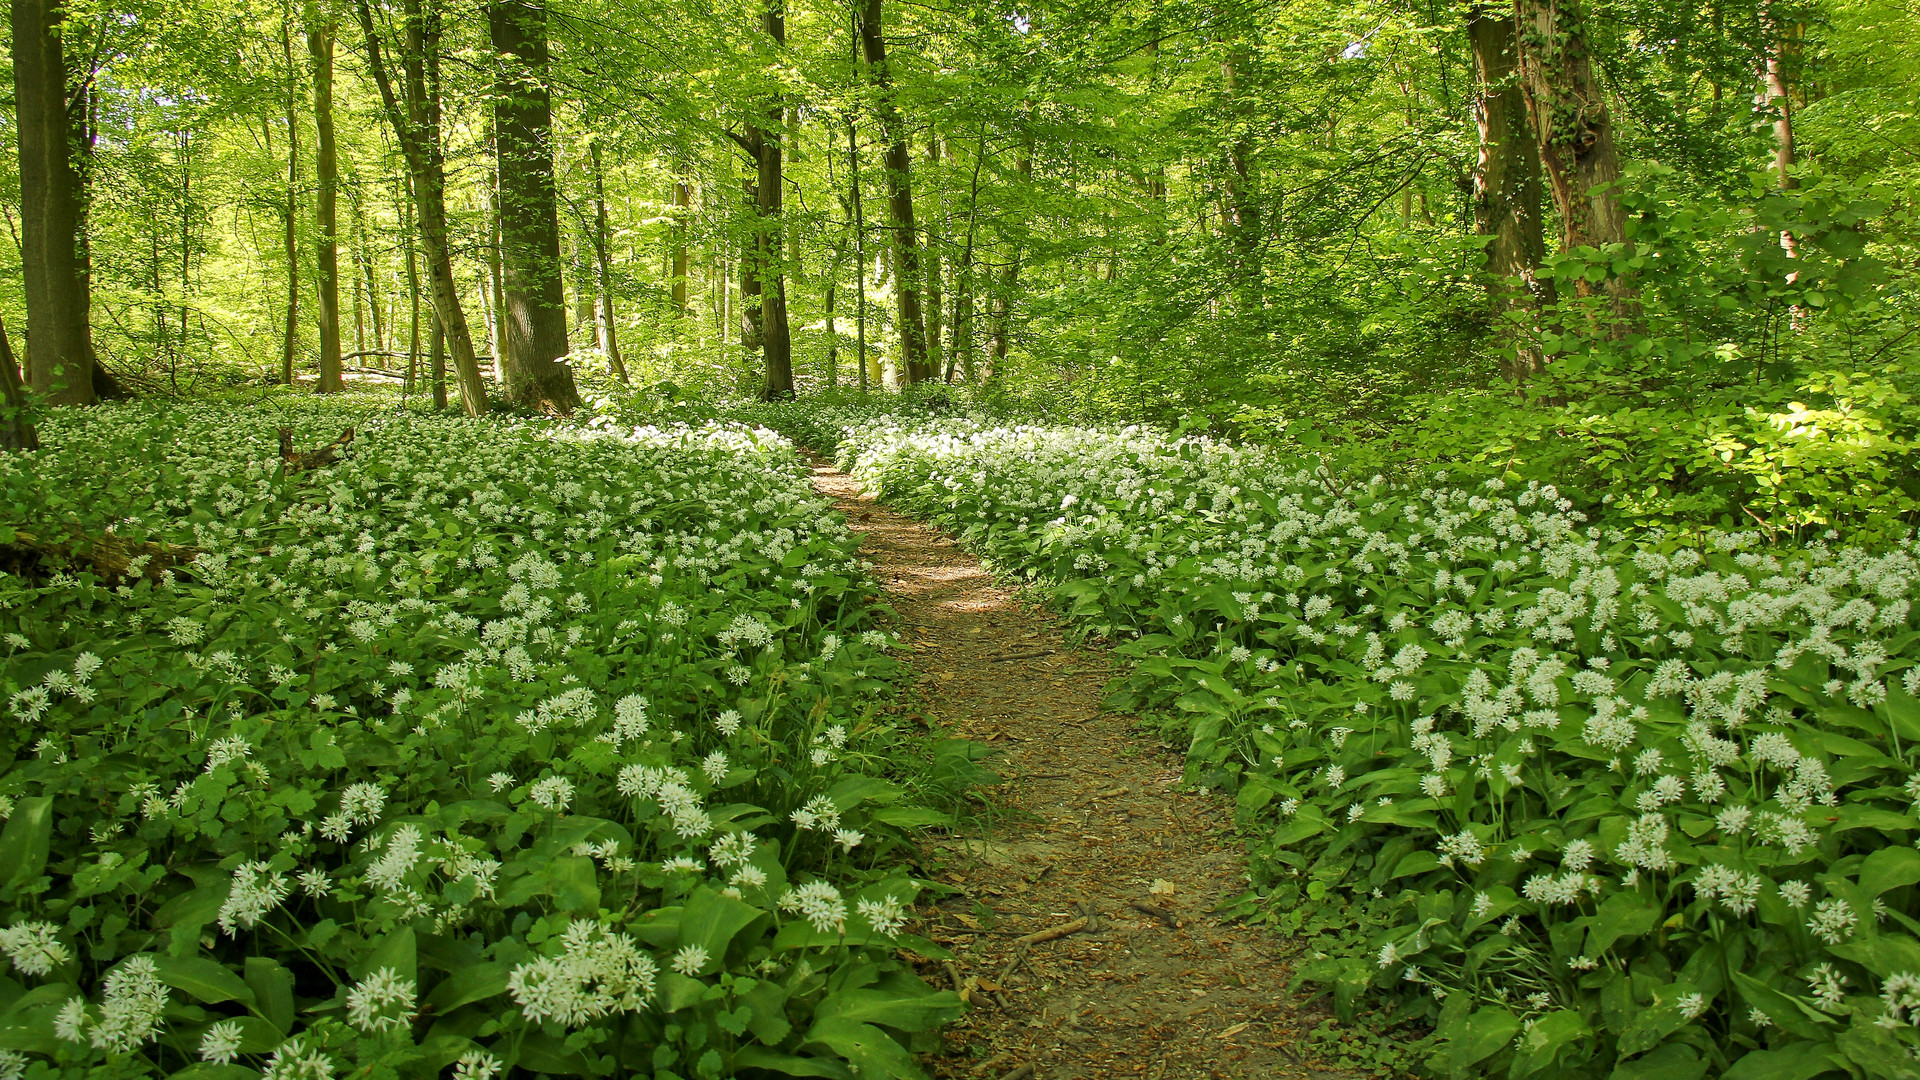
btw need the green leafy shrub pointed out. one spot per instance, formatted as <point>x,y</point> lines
<point>498,744</point>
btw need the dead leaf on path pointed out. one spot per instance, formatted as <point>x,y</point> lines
<point>1161,887</point>
<point>1234,1030</point>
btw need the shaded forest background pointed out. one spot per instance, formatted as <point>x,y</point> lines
<point>1664,248</point>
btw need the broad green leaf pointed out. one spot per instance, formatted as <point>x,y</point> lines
<point>873,1053</point>
<point>892,1008</point>
<point>1794,1061</point>
<point>477,982</point>
<point>205,980</point>
<point>711,921</point>
<point>25,842</point>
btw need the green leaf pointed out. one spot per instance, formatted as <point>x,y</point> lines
<point>854,790</point>
<point>1674,1061</point>
<point>1889,868</point>
<point>1541,1043</point>
<point>1622,915</point>
<point>546,1054</point>
<point>476,982</point>
<point>207,1070</point>
<point>206,981</point>
<point>1482,1034</point>
<point>1794,1061</point>
<point>1788,1012</point>
<point>399,951</point>
<point>759,1057</point>
<point>873,1053</point>
<point>892,1008</point>
<point>26,841</point>
<point>911,817</point>
<point>711,921</point>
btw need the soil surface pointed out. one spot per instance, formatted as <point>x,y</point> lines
<point>1082,928</point>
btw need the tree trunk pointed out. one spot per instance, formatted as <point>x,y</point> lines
<point>860,250</point>
<point>437,366</point>
<point>413,290</point>
<point>364,256</point>
<point>290,336</point>
<point>683,208</point>
<point>535,314</point>
<point>963,293</point>
<point>416,127</point>
<point>16,430</point>
<point>326,168</point>
<point>603,267</point>
<point>935,233</point>
<point>60,360</point>
<point>769,229</point>
<point>1506,187</point>
<point>1243,212</point>
<point>1009,281</point>
<point>899,167</point>
<point>1567,111</point>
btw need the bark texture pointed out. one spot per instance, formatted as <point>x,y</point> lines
<point>60,363</point>
<point>535,311</point>
<point>914,366</point>
<point>416,127</point>
<point>1573,130</point>
<point>326,238</point>
<point>1507,195</point>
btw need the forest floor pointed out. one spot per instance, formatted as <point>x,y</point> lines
<point>1093,834</point>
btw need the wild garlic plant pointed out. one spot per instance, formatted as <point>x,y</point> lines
<point>498,745</point>
<point>1609,801</point>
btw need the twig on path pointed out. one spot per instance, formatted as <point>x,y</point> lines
<point>1019,656</point>
<point>1052,933</point>
<point>1006,972</point>
<point>1165,916</point>
<point>1020,1073</point>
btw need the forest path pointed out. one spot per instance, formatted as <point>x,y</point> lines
<point>1097,838</point>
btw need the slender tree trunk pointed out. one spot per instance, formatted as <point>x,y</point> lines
<point>899,168</point>
<point>495,302</point>
<point>1009,282</point>
<point>535,312</point>
<point>364,255</point>
<point>767,265</point>
<point>16,430</point>
<point>1243,212</point>
<point>833,332</point>
<point>290,336</point>
<point>963,294</point>
<point>1779,102</point>
<point>935,234</point>
<point>1507,194</point>
<point>60,358</point>
<point>603,268</point>
<point>1574,131</point>
<point>683,208</point>
<point>416,127</point>
<point>860,249</point>
<point>326,168</point>
<point>413,288</point>
<point>437,366</point>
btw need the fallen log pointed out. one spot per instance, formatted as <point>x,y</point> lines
<point>113,558</point>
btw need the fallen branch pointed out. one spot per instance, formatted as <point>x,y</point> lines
<point>302,460</point>
<point>1052,933</point>
<point>1165,916</point>
<point>1019,656</point>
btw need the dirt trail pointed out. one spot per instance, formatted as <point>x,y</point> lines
<point>1097,838</point>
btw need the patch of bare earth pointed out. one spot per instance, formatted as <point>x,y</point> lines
<point>1082,929</point>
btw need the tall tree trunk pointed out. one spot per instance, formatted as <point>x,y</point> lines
<point>416,127</point>
<point>60,358</point>
<point>363,255</point>
<point>963,293</point>
<point>603,267</point>
<point>413,288</point>
<point>1243,212</point>
<point>935,233</point>
<point>767,265</point>
<point>290,336</point>
<point>899,167</point>
<point>1506,187</point>
<point>535,313</point>
<point>860,249</point>
<point>683,208</point>
<point>1574,132</point>
<point>326,169</point>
